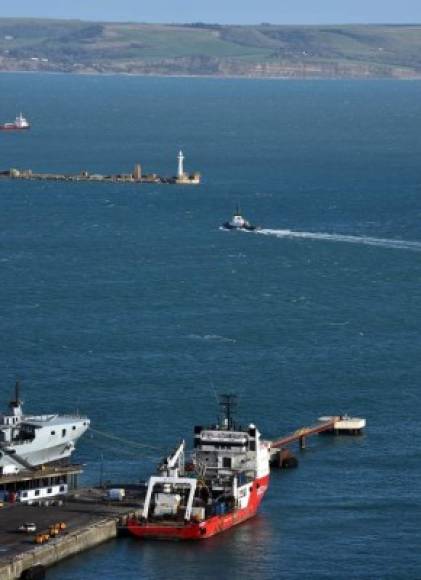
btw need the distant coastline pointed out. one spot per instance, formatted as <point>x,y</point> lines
<point>208,76</point>
<point>210,50</point>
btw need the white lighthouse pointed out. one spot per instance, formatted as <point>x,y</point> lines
<point>180,170</point>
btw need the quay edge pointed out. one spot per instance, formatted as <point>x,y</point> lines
<point>90,522</point>
<point>60,548</point>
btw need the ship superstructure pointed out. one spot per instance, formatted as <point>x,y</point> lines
<point>29,441</point>
<point>222,486</point>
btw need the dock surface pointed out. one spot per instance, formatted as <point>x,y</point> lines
<point>89,521</point>
<point>300,434</point>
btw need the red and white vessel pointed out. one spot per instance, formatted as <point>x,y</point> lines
<point>222,486</point>
<point>20,124</point>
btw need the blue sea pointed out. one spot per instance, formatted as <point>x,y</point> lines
<point>128,303</point>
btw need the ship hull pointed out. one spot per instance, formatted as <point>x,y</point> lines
<point>13,128</point>
<point>204,529</point>
<point>41,456</point>
<point>249,228</point>
<point>54,440</point>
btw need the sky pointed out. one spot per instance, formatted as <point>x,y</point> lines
<point>222,11</point>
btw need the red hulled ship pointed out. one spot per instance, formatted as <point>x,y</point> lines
<point>221,487</point>
<point>19,124</point>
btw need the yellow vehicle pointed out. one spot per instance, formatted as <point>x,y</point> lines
<point>53,531</point>
<point>42,538</point>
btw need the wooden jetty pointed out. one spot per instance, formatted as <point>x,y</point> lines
<point>335,425</point>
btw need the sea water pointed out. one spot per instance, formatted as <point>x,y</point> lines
<point>128,303</point>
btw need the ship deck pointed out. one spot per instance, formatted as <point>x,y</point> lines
<point>41,473</point>
<point>163,523</point>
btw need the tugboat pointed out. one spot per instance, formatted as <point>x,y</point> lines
<point>239,223</point>
<point>20,124</point>
<point>221,487</point>
<point>28,441</point>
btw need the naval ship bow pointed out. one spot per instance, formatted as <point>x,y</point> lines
<point>30,441</point>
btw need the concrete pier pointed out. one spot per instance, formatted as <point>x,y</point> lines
<point>59,548</point>
<point>90,521</point>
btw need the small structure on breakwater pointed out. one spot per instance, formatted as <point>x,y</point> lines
<point>136,176</point>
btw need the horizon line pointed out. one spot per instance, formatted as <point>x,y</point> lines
<point>206,23</point>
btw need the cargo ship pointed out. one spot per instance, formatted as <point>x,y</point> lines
<point>220,487</point>
<point>19,124</point>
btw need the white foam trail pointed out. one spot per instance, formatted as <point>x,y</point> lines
<point>365,240</point>
<point>215,337</point>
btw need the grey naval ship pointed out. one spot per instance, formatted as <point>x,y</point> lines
<point>29,441</point>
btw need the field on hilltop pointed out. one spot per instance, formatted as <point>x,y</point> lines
<point>348,51</point>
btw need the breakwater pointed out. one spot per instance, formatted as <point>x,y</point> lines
<point>135,176</point>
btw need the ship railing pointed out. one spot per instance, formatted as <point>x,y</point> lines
<point>46,418</point>
<point>222,435</point>
<point>212,467</point>
<point>73,416</point>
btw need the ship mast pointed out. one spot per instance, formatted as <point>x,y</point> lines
<point>228,402</point>
<point>16,402</point>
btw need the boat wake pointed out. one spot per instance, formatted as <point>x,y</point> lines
<point>365,240</point>
<point>213,337</point>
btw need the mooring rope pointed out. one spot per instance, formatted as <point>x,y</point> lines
<point>127,441</point>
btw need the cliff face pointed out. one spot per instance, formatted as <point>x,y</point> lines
<point>200,49</point>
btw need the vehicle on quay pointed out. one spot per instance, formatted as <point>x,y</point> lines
<point>27,528</point>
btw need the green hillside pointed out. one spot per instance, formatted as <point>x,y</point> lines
<point>265,50</point>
